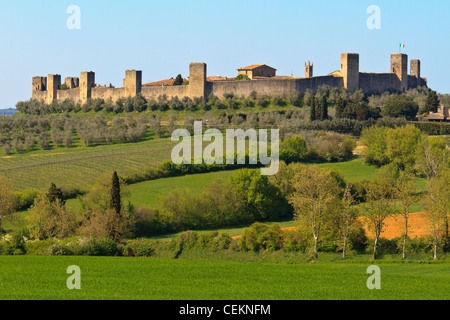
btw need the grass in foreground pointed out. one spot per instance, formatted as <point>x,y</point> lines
<point>44,277</point>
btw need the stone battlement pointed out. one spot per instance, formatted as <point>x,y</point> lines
<point>349,76</point>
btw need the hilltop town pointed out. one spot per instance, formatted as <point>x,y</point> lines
<point>258,78</point>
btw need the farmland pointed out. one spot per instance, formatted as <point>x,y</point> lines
<point>80,166</point>
<point>43,277</point>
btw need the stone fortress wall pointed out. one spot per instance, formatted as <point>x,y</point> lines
<point>82,89</point>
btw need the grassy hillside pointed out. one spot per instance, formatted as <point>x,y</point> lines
<point>44,277</point>
<point>80,166</point>
<point>145,194</point>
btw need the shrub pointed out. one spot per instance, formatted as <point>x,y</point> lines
<point>228,95</point>
<point>25,199</point>
<point>100,247</point>
<point>218,104</point>
<point>263,102</point>
<point>294,241</point>
<point>60,249</point>
<point>297,145</point>
<point>433,128</point>
<point>358,240</point>
<point>140,248</point>
<point>39,247</point>
<point>260,236</point>
<point>151,222</point>
<point>16,244</point>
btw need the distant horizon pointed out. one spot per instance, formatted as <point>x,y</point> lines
<point>161,38</point>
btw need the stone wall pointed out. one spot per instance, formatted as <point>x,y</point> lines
<point>47,88</point>
<point>271,87</point>
<point>377,82</point>
<point>108,93</point>
<point>72,94</point>
<point>152,92</point>
<point>40,95</point>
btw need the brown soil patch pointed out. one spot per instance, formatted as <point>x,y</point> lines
<point>394,226</point>
<point>7,157</point>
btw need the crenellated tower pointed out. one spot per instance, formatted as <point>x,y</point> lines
<point>309,70</point>
<point>399,66</point>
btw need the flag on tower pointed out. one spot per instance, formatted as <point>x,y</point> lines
<point>402,45</point>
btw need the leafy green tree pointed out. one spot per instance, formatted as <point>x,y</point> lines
<point>432,157</point>
<point>405,192</point>
<point>297,145</point>
<point>104,215</point>
<point>401,146</point>
<point>379,205</point>
<point>6,200</point>
<point>178,80</point>
<point>139,103</point>
<point>49,219</point>
<point>431,102</point>
<point>346,217</point>
<point>263,200</point>
<point>242,77</point>
<point>374,139</point>
<point>401,106</point>
<point>314,196</point>
<point>128,106</point>
<point>437,203</point>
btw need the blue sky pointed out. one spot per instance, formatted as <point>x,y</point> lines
<point>161,38</point>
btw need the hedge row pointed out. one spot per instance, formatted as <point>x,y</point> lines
<point>257,238</point>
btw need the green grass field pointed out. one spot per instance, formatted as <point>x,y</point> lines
<point>147,193</point>
<point>44,277</point>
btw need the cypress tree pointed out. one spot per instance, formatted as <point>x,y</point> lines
<point>178,80</point>
<point>115,194</point>
<point>340,106</point>
<point>323,108</point>
<point>54,194</point>
<point>432,102</point>
<point>312,115</point>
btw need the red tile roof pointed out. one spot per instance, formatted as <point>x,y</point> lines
<point>218,78</point>
<point>254,66</point>
<point>166,82</point>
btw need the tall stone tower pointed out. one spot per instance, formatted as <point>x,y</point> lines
<point>54,84</point>
<point>415,68</point>
<point>72,82</point>
<point>399,66</point>
<point>350,70</point>
<point>308,70</point>
<point>87,82</point>
<point>197,79</point>
<point>39,84</point>
<point>132,82</point>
